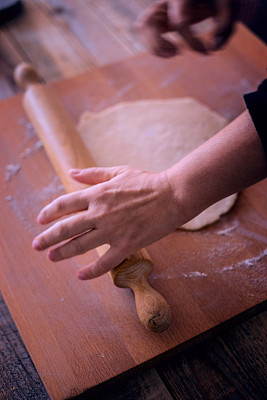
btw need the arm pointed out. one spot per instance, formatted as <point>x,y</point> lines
<point>129,209</point>
<point>227,163</point>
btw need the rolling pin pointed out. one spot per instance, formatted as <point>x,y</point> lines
<point>66,150</point>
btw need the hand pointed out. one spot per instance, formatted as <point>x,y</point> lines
<point>177,16</point>
<point>126,208</point>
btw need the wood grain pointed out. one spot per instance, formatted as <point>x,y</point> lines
<point>175,379</point>
<point>208,277</point>
<point>216,370</point>
<point>7,64</point>
<point>63,39</point>
<point>18,377</point>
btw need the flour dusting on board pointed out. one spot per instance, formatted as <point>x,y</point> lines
<point>22,207</point>
<point>29,151</point>
<point>248,263</point>
<point>26,203</point>
<point>195,274</point>
<point>224,269</point>
<point>54,189</point>
<point>28,130</point>
<point>11,170</point>
<point>227,231</point>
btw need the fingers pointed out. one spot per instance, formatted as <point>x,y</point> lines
<point>176,11</point>
<point>76,246</point>
<point>168,16</point>
<point>63,205</point>
<point>162,47</point>
<point>178,16</point>
<point>77,201</point>
<point>152,24</point>
<point>88,241</point>
<point>95,175</point>
<point>111,259</point>
<point>63,230</point>
<point>193,42</point>
<point>181,15</point>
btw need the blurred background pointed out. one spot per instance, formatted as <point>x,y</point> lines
<point>63,38</point>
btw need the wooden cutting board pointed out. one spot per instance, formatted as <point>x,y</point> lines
<point>81,334</point>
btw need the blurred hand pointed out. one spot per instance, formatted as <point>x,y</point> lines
<point>177,16</point>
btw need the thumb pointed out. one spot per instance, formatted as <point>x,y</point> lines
<point>95,175</point>
<point>111,259</point>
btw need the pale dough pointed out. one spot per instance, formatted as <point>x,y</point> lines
<point>153,135</point>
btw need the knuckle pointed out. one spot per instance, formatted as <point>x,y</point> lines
<point>82,195</point>
<point>84,219</point>
<point>62,230</point>
<point>42,243</point>
<point>101,267</point>
<point>77,247</point>
<point>124,246</point>
<point>59,205</point>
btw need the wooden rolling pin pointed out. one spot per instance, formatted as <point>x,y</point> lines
<point>66,150</point>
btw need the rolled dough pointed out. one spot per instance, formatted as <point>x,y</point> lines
<point>153,135</point>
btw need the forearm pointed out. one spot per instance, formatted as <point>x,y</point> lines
<point>229,162</point>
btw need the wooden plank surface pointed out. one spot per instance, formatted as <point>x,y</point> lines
<point>64,38</point>
<point>235,246</point>
<point>231,365</point>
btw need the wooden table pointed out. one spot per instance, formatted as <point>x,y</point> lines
<point>231,365</point>
<point>172,387</point>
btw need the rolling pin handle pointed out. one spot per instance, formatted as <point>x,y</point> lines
<point>151,307</point>
<point>25,75</point>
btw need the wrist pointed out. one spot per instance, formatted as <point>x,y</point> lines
<point>185,188</point>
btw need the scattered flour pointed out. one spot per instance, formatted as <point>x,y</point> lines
<point>20,208</point>
<point>55,188</point>
<point>249,262</point>
<point>11,170</point>
<point>28,130</point>
<point>27,203</point>
<point>29,151</point>
<point>163,276</point>
<point>195,274</point>
<point>227,231</point>
<point>227,268</point>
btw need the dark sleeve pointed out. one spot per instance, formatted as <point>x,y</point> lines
<point>256,103</point>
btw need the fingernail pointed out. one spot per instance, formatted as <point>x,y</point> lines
<point>75,171</point>
<point>40,219</point>
<point>52,256</point>
<point>81,275</point>
<point>36,245</point>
